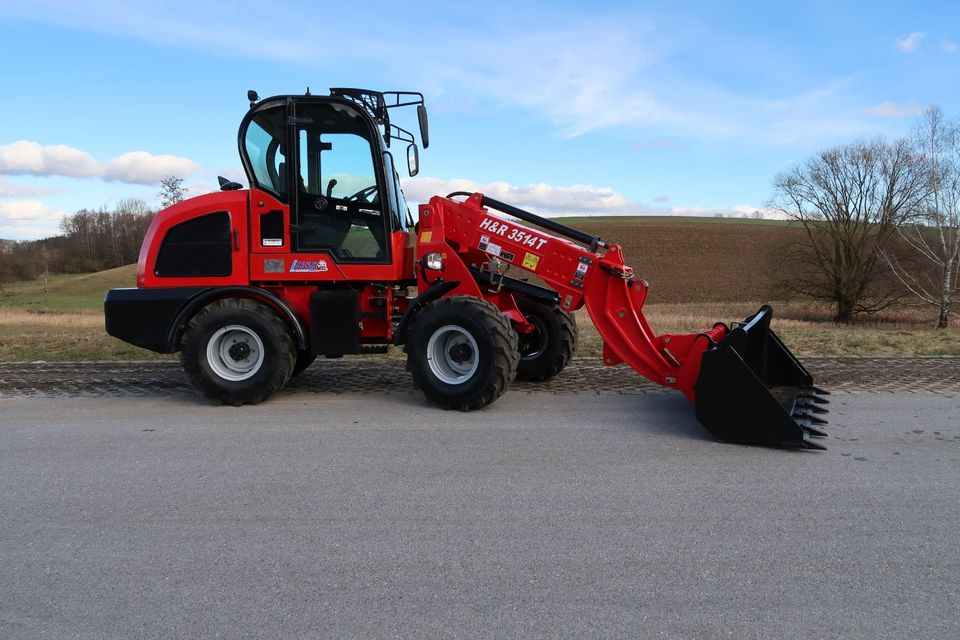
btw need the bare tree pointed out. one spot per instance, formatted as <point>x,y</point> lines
<point>171,191</point>
<point>849,200</point>
<point>933,235</point>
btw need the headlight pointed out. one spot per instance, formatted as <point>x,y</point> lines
<point>433,261</point>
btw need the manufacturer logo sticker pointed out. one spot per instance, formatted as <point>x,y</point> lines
<point>531,261</point>
<point>308,266</point>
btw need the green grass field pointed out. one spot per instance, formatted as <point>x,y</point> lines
<point>66,293</point>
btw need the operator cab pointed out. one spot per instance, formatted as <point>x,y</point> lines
<point>328,159</point>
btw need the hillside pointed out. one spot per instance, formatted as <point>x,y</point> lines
<point>82,292</point>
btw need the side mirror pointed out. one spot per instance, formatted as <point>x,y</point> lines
<point>424,126</point>
<point>413,160</point>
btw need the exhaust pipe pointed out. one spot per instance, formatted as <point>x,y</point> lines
<point>751,389</point>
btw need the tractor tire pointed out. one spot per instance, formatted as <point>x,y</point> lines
<point>549,349</point>
<point>304,360</point>
<point>462,352</point>
<point>237,351</point>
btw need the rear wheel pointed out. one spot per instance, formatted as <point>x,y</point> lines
<point>304,360</point>
<point>547,350</point>
<point>462,352</point>
<point>237,351</point>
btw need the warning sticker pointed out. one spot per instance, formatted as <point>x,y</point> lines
<point>426,237</point>
<point>530,261</point>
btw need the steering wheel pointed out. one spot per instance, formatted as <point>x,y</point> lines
<point>364,194</point>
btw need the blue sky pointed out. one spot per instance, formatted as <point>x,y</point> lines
<point>561,107</point>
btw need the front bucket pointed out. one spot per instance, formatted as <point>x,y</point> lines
<point>752,390</point>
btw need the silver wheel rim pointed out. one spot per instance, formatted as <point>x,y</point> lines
<point>452,354</point>
<point>235,352</point>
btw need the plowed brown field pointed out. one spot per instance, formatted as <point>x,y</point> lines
<point>702,261</point>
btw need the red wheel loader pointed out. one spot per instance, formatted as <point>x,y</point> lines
<point>320,256</point>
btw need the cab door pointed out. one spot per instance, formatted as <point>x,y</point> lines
<point>340,206</point>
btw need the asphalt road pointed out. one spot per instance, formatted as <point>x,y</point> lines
<point>546,515</point>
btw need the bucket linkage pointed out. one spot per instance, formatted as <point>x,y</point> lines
<point>751,389</point>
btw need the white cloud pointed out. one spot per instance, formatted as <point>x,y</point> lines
<point>911,42</point>
<point>14,210</point>
<point>140,167</point>
<point>540,197</point>
<point>26,157</point>
<point>948,46</point>
<point>28,220</point>
<point>553,200</point>
<point>15,190</point>
<point>893,110</point>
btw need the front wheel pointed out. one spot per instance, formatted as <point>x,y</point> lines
<point>462,352</point>
<point>237,351</point>
<point>548,349</point>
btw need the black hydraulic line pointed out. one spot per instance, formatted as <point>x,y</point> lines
<point>560,229</point>
<point>540,294</point>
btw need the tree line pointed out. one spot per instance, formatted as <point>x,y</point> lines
<point>90,240</point>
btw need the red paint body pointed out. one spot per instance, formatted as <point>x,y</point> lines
<point>464,233</point>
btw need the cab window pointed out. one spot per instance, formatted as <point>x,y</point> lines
<point>264,144</point>
<point>398,205</point>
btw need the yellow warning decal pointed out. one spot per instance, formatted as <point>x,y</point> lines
<point>530,261</point>
<point>426,237</point>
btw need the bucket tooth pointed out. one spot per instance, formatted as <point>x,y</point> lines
<point>807,413</point>
<point>808,405</point>
<point>813,397</point>
<point>810,444</point>
<point>811,430</point>
<point>820,391</point>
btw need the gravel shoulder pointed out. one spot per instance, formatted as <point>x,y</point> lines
<point>935,374</point>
